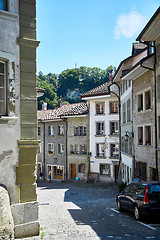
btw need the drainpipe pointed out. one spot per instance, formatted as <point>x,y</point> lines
<point>155,102</point>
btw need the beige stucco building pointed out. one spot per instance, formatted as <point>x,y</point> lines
<point>63,135</point>
<point>18,106</point>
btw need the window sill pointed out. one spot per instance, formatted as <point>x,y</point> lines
<point>8,15</point>
<point>100,135</point>
<point>7,118</point>
<point>100,157</point>
<point>141,145</point>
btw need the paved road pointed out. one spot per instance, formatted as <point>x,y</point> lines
<point>83,211</point>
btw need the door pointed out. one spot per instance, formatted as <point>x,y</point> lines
<point>116,167</point>
<point>73,171</point>
<point>58,173</point>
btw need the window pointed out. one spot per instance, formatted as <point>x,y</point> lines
<point>50,131</point>
<point>60,130</point>
<point>81,168</point>
<point>61,149</point>
<point>100,128</point>
<point>100,108</point>
<point>100,150</point>
<point>83,149</point>
<point>140,102</point>
<point>114,107</point>
<point>140,135</point>
<point>72,149</point>
<point>50,148</point>
<point>128,111</point>
<point>2,89</point>
<point>140,170</point>
<point>148,135</point>
<point>39,131</point>
<point>77,149</point>
<point>105,169</point>
<point>79,131</point>
<point>113,128</point>
<point>114,150</point>
<point>39,148</point>
<point>148,100</point>
<point>124,113</point>
<point>3,5</point>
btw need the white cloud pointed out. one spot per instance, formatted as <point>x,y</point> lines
<point>129,24</point>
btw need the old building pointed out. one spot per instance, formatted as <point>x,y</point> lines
<point>143,117</point>
<point>150,35</point>
<point>103,132</point>
<point>63,133</point>
<point>18,106</point>
<point>127,143</point>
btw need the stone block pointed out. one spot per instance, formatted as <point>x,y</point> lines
<point>26,174</point>
<point>28,193</point>
<point>27,229</point>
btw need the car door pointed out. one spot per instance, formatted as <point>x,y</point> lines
<point>124,197</point>
<point>130,197</point>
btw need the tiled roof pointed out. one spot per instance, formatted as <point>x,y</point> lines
<point>63,111</point>
<point>100,90</point>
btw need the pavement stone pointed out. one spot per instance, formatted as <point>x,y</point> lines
<point>55,210</point>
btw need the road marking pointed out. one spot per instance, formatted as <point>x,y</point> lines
<point>146,225</point>
<point>114,210</point>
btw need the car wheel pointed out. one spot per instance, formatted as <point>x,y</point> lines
<point>119,206</point>
<point>136,213</point>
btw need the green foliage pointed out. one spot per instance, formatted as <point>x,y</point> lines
<point>81,79</point>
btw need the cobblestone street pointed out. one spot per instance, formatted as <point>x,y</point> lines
<point>86,211</point>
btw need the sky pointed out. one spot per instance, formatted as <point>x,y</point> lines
<point>91,33</point>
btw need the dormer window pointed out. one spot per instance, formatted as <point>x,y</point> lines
<point>3,5</point>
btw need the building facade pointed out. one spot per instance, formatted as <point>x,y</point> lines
<point>78,146</point>
<point>150,35</point>
<point>126,98</point>
<point>103,132</point>
<point>63,142</point>
<point>18,106</point>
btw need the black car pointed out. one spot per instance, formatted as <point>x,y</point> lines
<point>140,198</point>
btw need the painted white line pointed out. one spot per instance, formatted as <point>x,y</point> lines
<point>146,225</point>
<point>114,210</point>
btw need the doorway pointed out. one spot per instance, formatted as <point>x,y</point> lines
<point>58,172</point>
<point>116,168</point>
<point>73,171</point>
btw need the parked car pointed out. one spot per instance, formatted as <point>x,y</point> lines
<point>140,198</point>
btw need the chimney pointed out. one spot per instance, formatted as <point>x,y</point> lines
<point>59,102</point>
<point>44,106</point>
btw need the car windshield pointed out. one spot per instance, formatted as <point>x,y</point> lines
<point>154,188</point>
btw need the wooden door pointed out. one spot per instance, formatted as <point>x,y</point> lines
<point>58,173</point>
<point>116,168</point>
<point>73,171</point>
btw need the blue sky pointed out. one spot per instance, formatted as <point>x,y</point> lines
<point>91,33</point>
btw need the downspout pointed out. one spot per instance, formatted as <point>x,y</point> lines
<point>155,102</point>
